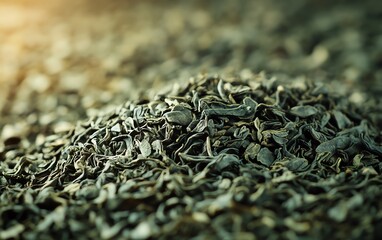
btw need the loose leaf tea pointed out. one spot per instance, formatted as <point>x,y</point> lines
<point>219,158</point>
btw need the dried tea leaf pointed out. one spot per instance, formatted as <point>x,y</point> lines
<point>265,156</point>
<point>251,151</point>
<point>299,227</point>
<point>304,111</point>
<point>342,120</point>
<point>357,160</point>
<point>111,232</point>
<point>341,210</point>
<point>145,148</point>
<point>340,142</point>
<point>222,202</point>
<point>12,232</point>
<point>88,192</point>
<point>182,117</point>
<point>116,128</point>
<point>297,164</point>
<point>226,161</point>
<point>142,231</point>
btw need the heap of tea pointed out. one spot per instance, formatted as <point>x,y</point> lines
<point>217,159</point>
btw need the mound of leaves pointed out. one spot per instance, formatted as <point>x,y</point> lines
<point>228,159</point>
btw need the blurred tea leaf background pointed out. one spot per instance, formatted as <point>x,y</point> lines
<point>63,60</point>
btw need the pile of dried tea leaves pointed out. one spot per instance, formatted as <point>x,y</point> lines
<point>218,158</point>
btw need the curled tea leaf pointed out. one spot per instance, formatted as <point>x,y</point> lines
<point>226,161</point>
<point>251,151</point>
<point>304,111</point>
<point>297,164</point>
<point>182,116</point>
<point>12,232</point>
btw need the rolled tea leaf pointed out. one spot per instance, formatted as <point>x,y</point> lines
<point>304,111</point>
